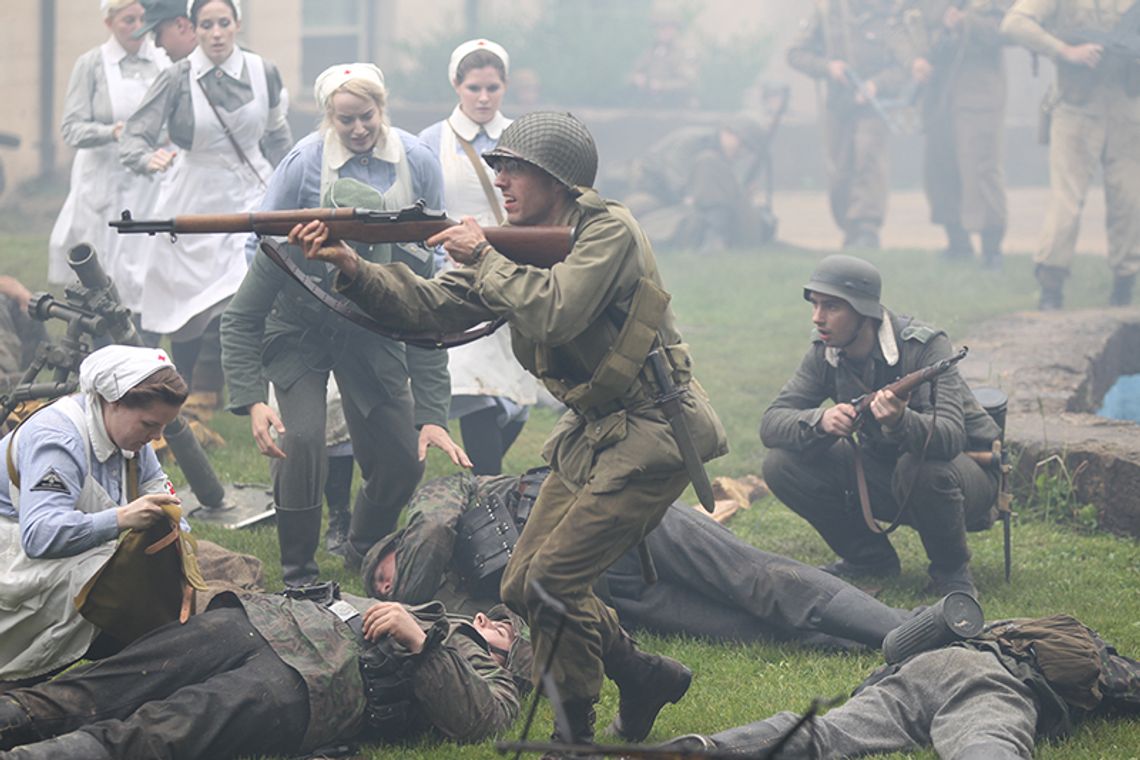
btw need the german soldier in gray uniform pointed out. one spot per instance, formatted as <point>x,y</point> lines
<point>912,450</point>
<point>585,327</point>
<point>844,37</point>
<point>956,59</point>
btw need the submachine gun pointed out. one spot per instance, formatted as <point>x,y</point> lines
<point>1122,40</point>
<point>92,312</point>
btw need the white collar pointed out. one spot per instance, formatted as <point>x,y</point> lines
<point>887,344</point>
<point>469,130</point>
<point>200,64</point>
<point>116,52</point>
<point>101,443</point>
<point>387,149</point>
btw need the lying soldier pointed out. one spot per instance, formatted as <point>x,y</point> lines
<point>268,675</point>
<point>987,698</point>
<point>711,583</point>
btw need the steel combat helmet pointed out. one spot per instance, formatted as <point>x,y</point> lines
<point>854,280</point>
<point>554,141</point>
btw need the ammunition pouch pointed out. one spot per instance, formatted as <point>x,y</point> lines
<point>323,594</point>
<point>521,500</point>
<point>486,537</point>
<point>390,712</point>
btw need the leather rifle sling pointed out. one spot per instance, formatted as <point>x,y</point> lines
<point>345,309</point>
<point>481,172</point>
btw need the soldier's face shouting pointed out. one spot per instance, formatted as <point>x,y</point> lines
<point>837,323</point>
<point>530,195</point>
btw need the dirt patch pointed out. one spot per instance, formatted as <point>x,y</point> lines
<point>1056,368</point>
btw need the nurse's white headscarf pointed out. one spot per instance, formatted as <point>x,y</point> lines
<point>112,371</point>
<point>471,46</point>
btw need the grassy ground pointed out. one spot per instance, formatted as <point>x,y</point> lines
<point>748,327</point>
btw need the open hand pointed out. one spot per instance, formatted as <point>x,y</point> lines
<point>160,160</point>
<point>434,435</point>
<point>1087,55</point>
<point>264,422</point>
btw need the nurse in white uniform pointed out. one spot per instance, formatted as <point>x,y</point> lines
<point>64,486</point>
<point>491,393</point>
<point>224,110</point>
<point>107,85</point>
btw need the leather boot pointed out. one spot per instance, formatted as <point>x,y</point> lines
<point>958,244</point>
<point>646,683</point>
<point>298,533</point>
<point>338,489</point>
<point>942,582</point>
<point>77,745</point>
<point>991,248</point>
<point>853,615</point>
<point>1052,281</point>
<point>1122,290</point>
<point>580,716</point>
<point>16,726</point>
<point>759,738</point>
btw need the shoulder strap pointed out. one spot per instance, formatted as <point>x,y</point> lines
<point>481,171</point>
<point>229,135</point>
<point>10,456</point>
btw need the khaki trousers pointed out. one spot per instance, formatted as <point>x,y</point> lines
<point>1105,131</point>
<point>569,541</point>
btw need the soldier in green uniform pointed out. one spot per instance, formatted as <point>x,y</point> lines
<point>912,450</point>
<point>268,675</point>
<point>956,59</point>
<point>19,333</point>
<point>1096,122</point>
<point>696,187</point>
<point>585,328</point>
<point>843,37</point>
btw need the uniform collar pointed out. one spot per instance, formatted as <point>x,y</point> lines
<point>116,52</point>
<point>200,64</point>
<point>387,149</point>
<point>101,443</point>
<point>469,130</point>
<point>887,344</point>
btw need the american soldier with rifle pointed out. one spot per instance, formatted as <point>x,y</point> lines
<point>1095,123</point>
<point>899,455</point>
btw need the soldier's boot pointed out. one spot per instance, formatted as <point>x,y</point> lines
<point>942,582</point>
<point>1052,282</point>
<point>77,745</point>
<point>757,739</point>
<point>16,725</point>
<point>1122,290</point>
<point>853,615</point>
<point>991,247</point>
<point>873,556</point>
<point>580,716</point>
<point>298,534</point>
<point>646,683</point>
<point>958,243</point>
<point>338,490</point>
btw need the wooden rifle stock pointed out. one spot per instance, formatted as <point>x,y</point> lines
<point>540,246</point>
<point>906,384</point>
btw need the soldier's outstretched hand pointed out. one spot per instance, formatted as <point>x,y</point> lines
<point>434,435</point>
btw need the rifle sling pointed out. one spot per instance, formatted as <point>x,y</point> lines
<point>481,171</point>
<point>861,475</point>
<point>345,309</point>
<point>229,135</point>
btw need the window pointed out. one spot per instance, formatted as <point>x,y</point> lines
<point>332,32</point>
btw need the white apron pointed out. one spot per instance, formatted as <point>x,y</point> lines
<point>188,276</point>
<point>486,367</point>
<point>101,187</point>
<point>40,627</point>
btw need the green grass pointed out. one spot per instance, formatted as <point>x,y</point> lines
<point>748,326</point>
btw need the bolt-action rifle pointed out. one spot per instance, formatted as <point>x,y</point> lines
<point>858,87</point>
<point>907,383</point>
<point>540,246</point>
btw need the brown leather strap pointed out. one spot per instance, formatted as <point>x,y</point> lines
<point>345,309</point>
<point>229,135</point>
<point>132,479</point>
<point>481,171</point>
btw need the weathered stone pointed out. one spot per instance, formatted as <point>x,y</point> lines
<point>1056,368</point>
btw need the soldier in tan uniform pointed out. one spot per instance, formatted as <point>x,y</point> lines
<point>956,60</point>
<point>853,35</point>
<point>585,328</point>
<point>1096,121</point>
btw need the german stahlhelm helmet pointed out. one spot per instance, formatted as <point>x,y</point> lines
<point>854,280</point>
<point>554,141</point>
